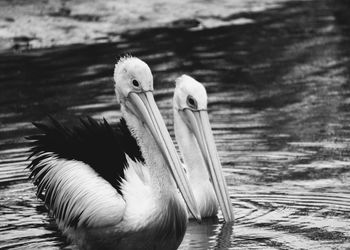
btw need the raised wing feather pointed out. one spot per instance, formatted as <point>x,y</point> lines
<point>97,144</point>
<point>76,195</point>
<point>78,170</point>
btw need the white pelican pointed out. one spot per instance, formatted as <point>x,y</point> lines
<point>196,142</point>
<point>99,194</point>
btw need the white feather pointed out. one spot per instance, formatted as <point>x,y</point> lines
<point>78,186</point>
<point>139,196</point>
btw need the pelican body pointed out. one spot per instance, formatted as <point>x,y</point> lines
<point>115,188</point>
<point>196,142</point>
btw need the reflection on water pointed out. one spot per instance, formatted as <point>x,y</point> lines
<point>279,101</point>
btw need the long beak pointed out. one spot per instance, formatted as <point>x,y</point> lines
<point>145,107</point>
<point>199,124</point>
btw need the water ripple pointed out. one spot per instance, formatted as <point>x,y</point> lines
<point>278,105</point>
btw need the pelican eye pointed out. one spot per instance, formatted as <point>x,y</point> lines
<point>191,102</point>
<point>135,83</point>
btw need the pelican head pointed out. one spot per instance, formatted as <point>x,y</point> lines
<point>132,75</point>
<point>190,102</point>
<point>134,90</point>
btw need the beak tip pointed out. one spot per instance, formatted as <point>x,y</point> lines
<point>230,222</point>
<point>198,218</point>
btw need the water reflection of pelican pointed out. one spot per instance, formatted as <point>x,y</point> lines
<point>194,136</point>
<point>100,197</point>
<point>210,234</point>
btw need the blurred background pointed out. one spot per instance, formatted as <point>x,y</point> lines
<point>47,23</point>
<point>277,75</point>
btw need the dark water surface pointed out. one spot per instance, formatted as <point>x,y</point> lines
<point>279,100</point>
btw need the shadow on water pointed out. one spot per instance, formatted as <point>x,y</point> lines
<point>279,105</point>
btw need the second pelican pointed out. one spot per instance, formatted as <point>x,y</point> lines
<point>195,138</point>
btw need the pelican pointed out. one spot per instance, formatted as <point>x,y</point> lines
<point>102,191</point>
<point>196,142</point>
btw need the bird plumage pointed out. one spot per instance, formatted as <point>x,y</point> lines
<point>95,194</point>
<point>95,143</point>
<point>115,188</point>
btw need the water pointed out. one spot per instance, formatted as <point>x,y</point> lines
<point>279,101</point>
<point>36,24</point>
